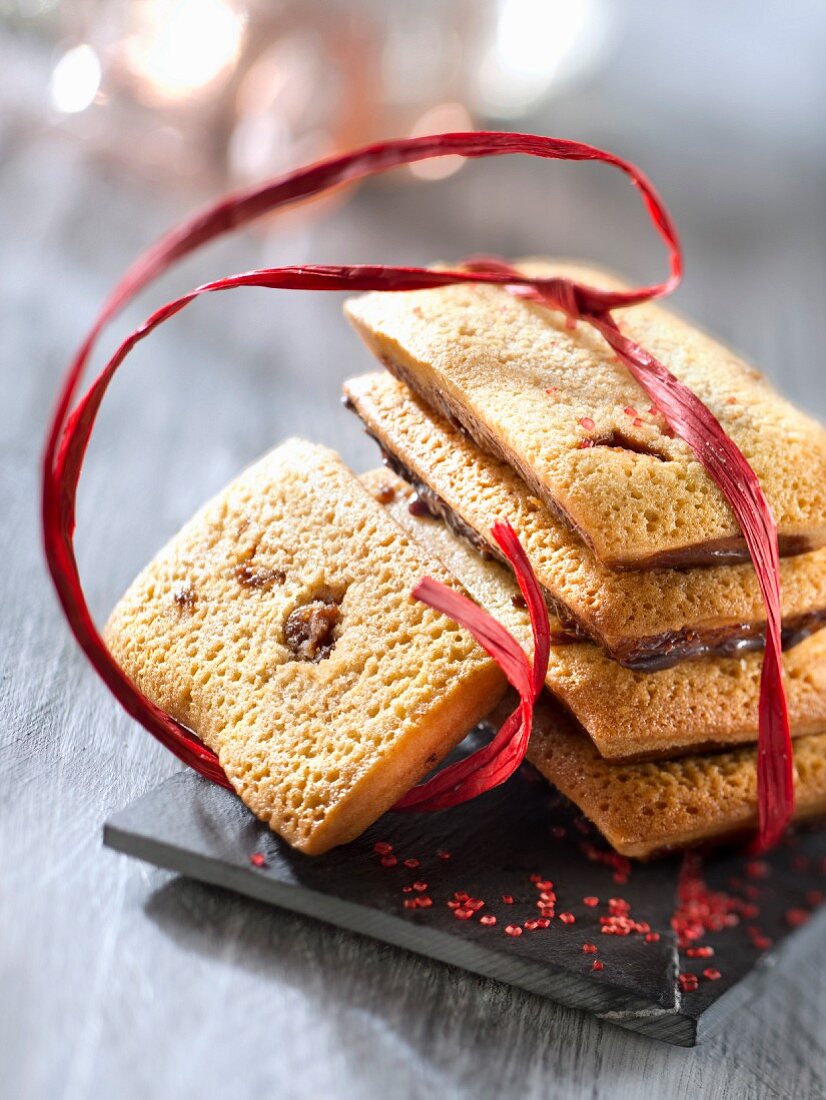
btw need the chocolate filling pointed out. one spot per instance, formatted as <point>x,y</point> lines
<point>184,597</point>
<point>310,629</point>
<point>249,577</point>
<point>648,654</point>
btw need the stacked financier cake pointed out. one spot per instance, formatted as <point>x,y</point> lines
<point>496,408</point>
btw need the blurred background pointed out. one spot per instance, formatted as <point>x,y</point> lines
<point>118,116</point>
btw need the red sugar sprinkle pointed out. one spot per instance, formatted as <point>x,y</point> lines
<point>688,982</point>
<point>796,917</point>
<point>598,965</point>
<point>443,855</point>
<point>758,868</point>
<point>699,909</point>
<point>731,401</point>
<point>420,887</point>
<point>382,848</point>
<point>567,918</point>
<point>637,422</point>
<point>411,903</point>
<point>513,930</point>
<point>412,864</point>
<point>589,949</point>
<point>507,899</point>
<point>543,883</point>
<point>711,974</point>
<point>759,940</point>
<point>474,904</point>
<point>621,864</point>
<point>460,895</point>
<point>388,861</point>
<point>652,937</point>
<point>409,890</point>
<point>629,410</point>
<point>587,423</point>
<point>258,859</point>
<point>531,925</point>
<point>424,902</point>
<point>462,914</point>
<point>586,444</point>
<point>699,952</point>
<point>487,918</point>
<point>543,922</point>
<point>551,390</point>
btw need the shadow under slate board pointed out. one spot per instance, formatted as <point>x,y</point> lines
<point>507,849</point>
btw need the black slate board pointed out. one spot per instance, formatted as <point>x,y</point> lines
<point>495,843</point>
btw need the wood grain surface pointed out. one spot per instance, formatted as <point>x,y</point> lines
<point>117,980</point>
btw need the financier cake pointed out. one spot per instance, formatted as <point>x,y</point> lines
<point>278,625</point>
<point>552,402</point>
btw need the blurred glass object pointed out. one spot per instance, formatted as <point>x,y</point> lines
<point>216,91</point>
<point>178,48</point>
<point>75,80</point>
<point>538,46</point>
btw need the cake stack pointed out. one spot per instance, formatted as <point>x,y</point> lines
<point>497,408</point>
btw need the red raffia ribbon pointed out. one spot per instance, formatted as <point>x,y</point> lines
<point>498,760</point>
<point>71,428</point>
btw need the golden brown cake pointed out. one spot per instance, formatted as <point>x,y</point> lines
<point>531,391</point>
<point>644,620</point>
<point>278,625</point>
<point>648,809</point>
<point>705,703</point>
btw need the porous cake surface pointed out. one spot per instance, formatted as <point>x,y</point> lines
<point>532,391</point>
<point>629,715</point>
<point>651,808</point>
<point>278,625</point>
<point>644,619</point>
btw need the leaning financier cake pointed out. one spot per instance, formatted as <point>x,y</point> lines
<point>553,402</point>
<point>279,626</point>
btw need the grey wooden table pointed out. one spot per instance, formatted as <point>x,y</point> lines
<point>117,980</point>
